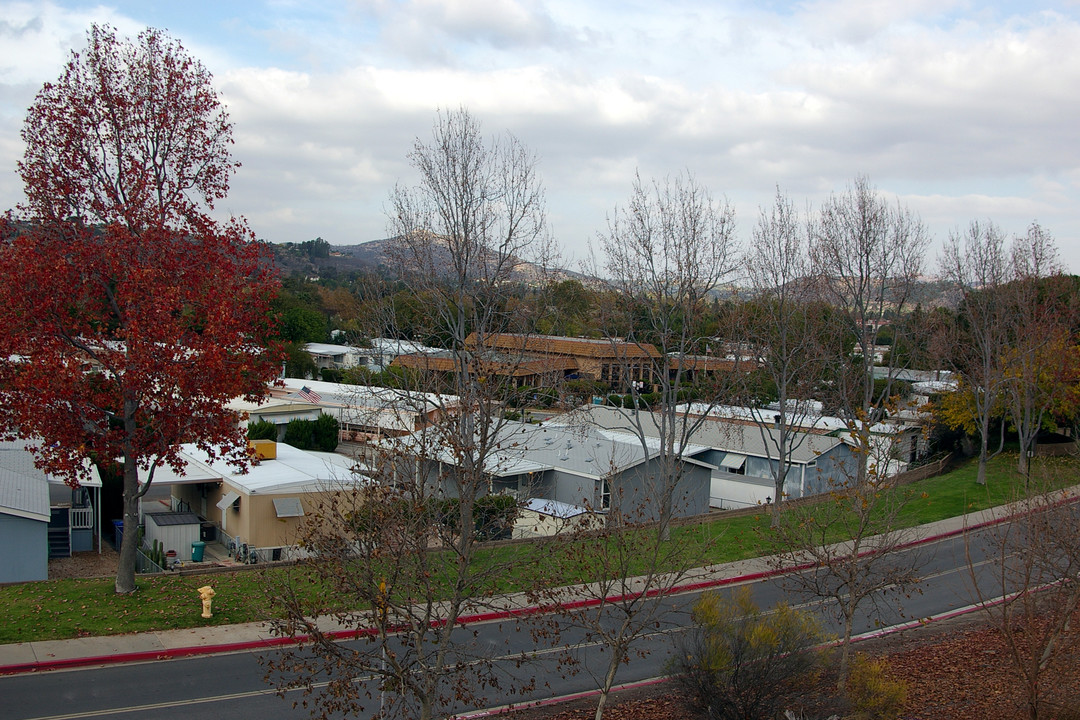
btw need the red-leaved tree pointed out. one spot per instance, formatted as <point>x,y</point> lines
<point>132,132</point>
<point>128,317</point>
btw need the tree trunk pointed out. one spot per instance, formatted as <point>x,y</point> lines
<point>782,468</point>
<point>845,650</point>
<point>609,680</point>
<point>125,571</point>
<point>984,441</point>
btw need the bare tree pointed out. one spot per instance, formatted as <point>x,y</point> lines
<point>630,573</point>
<point>784,329</point>
<point>851,542</point>
<point>977,264</point>
<point>1033,596</point>
<point>388,549</point>
<point>869,256</point>
<point>665,253</point>
<point>475,214</point>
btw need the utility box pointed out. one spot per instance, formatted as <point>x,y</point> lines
<point>263,449</point>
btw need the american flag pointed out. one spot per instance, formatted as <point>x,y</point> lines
<point>309,394</point>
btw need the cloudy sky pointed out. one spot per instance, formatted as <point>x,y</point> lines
<point>961,110</point>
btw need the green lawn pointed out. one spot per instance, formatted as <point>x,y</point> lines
<point>75,608</point>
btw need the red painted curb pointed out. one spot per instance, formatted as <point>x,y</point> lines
<point>172,653</point>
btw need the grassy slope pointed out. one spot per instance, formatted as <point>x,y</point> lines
<point>58,609</point>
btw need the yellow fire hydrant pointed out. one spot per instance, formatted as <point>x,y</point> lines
<point>207,594</point>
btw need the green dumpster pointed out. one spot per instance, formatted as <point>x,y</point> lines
<point>197,548</point>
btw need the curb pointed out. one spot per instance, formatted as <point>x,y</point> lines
<point>221,648</point>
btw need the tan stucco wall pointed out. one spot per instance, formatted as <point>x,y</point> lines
<point>255,522</point>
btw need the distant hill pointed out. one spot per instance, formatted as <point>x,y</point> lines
<point>316,258</point>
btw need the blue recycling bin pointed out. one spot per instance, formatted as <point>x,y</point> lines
<point>118,533</point>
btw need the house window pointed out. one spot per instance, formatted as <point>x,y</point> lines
<point>605,494</point>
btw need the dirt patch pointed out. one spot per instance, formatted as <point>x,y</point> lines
<point>85,564</point>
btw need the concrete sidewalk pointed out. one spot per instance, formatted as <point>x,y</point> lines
<point>161,645</point>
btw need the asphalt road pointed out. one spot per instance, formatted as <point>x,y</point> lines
<point>233,685</point>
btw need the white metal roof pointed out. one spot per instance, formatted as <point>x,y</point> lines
<point>292,471</point>
<point>21,459</point>
<point>23,495</point>
<point>365,396</point>
<point>331,349</point>
<point>718,432</point>
<point>24,488</point>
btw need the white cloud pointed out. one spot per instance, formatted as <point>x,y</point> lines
<point>501,23</point>
<point>859,21</point>
<point>962,112</point>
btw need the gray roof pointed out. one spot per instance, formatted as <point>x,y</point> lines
<point>525,447</point>
<point>716,433</point>
<point>24,489</point>
<point>162,519</point>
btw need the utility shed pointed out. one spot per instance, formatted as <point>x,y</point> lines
<point>24,521</point>
<point>175,530</point>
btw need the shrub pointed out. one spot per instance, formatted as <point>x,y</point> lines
<point>519,397</point>
<point>320,434</point>
<point>545,397</point>
<point>445,512</point>
<point>262,430</point>
<point>333,375</point>
<point>298,434</point>
<point>494,516</point>
<point>324,433</point>
<point>742,664</point>
<point>871,693</point>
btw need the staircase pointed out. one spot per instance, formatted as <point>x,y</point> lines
<point>59,533</point>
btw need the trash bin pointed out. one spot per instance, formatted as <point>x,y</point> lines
<point>197,548</point>
<point>118,533</point>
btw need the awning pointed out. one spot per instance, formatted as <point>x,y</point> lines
<point>288,507</point>
<point>733,461</point>
<point>229,499</point>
